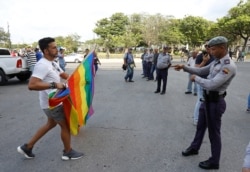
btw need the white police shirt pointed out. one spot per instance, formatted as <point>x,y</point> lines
<point>220,74</point>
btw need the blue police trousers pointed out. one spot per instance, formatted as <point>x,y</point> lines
<point>210,114</point>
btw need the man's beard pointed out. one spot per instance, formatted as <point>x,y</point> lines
<point>53,55</point>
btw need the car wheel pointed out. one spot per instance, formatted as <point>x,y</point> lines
<point>77,61</point>
<point>24,77</point>
<point>3,78</point>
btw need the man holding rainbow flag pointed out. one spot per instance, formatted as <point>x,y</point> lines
<point>69,107</point>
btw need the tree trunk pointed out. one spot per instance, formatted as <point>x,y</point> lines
<point>107,53</point>
<point>245,44</point>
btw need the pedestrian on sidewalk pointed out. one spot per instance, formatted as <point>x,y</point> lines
<point>129,62</point>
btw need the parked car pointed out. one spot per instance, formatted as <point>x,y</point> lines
<point>11,67</point>
<point>73,58</point>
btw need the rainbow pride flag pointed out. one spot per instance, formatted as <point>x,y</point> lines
<point>77,98</point>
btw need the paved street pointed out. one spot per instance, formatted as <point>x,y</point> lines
<point>132,129</point>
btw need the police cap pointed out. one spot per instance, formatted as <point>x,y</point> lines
<point>217,40</point>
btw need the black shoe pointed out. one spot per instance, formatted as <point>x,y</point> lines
<point>156,91</point>
<point>190,151</point>
<point>208,165</point>
<point>163,92</point>
<point>25,151</point>
<point>195,94</point>
<point>188,92</point>
<point>131,81</point>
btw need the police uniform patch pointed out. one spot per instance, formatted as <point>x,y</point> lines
<point>226,70</point>
<point>226,61</point>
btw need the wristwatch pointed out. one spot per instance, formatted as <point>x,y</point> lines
<point>52,85</point>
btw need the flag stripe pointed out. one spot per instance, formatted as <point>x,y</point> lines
<point>77,99</point>
<point>71,116</point>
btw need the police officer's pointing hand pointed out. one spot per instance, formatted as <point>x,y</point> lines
<point>178,67</point>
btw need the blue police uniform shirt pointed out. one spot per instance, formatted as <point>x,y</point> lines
<point>129,58</point>
<point>220,74</point>
<point>163,61</point>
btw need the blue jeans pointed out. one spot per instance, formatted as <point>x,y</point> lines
<point>198,102</point>
<point>130,73</point>
<point>31,68</point>
<point>62,66</point>
<point>189,87</point>
<point>248,102</point>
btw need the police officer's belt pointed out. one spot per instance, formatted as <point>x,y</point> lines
<point>213,96</point>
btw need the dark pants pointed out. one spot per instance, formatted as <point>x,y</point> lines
<point>162,76</point>
<point>210,114</point>
<point>144,67</point>
<point>149,65</point>
<point>96,67</point>
<point>156,73</point>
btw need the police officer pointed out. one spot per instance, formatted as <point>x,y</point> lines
<point>163,64</point>
<point>220,74</point>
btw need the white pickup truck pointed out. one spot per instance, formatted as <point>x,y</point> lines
<point>11,67</point>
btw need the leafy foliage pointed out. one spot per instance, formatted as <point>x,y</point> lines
<point>194,29</point>
<point>137,30</point>
<point>236,25</point>
<point>4,38</point>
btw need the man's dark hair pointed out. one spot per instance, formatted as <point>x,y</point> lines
<point>44,43</point>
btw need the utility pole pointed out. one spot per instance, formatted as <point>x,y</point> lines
<point>8,36</point>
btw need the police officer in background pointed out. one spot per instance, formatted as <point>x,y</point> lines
<point>163,64</point>
<point>220,74</point>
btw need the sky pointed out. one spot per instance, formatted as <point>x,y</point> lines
<point>31,20</point>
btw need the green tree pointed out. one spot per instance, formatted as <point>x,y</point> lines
<point>170,33</point>
<point>194,29</point>
<point>110,30</point>
<point>151,28</point>
<point>135,27</point>
<point>237,23</point>
<point>4,38</point>
<point>70,42</point>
